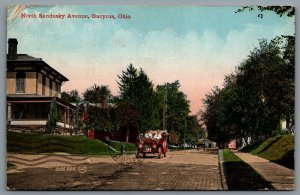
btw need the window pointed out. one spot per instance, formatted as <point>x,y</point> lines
<point>50,86</point>
<point>56,89</point>
<point>43,84</point>
<point>20,82</point>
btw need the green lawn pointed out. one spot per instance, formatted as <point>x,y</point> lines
<point>128,147</point>
<point>279,149</point>
<point>35,143</point>
<point>241,176</point>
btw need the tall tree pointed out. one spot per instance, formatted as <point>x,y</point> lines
<point>177,107</point>
<point>52,117</point>
<point>127,84</point>
<point>97,94</point>
<point>209,116</point>
<point>128,116</point>
<point>194,130</point>
<point>255,98</point>
<point>137,90</point>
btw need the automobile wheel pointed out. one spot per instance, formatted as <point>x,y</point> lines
<point>144,154</point>
<point>159,152</point>
<point>137,155</point>
<point>165,154</point>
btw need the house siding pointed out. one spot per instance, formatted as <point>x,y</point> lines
<point>47,87</point>
<point>30,87</point>
<point>11,83</point>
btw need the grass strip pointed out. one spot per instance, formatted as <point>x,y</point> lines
<point>241,176</point>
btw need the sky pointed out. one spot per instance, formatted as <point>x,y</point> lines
<point>196,45</point>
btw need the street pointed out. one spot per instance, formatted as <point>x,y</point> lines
<point>180,170</point>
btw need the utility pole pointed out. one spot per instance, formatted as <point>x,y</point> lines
<point>184,130</point>
<point>164,110</point>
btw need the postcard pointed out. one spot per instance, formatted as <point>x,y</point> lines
<point>113,98</point>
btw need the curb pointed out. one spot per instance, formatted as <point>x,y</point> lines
<point>221,161</point>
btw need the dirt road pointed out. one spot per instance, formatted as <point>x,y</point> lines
<point>180,170</point>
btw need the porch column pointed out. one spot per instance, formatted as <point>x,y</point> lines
<point>68,117</point>
<point>8,111</point>
<point>65,117</point>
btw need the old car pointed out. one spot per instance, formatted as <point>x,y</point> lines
<point>152,142</point>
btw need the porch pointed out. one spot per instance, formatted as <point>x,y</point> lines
<point>32,113</point>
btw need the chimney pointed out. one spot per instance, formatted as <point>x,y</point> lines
<point>103,102</point>
<point>12,49</point>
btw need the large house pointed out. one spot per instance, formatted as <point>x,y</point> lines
<point>31,86</point>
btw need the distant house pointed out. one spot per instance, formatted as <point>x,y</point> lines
<point>31,85</point>
<point>232,144</point>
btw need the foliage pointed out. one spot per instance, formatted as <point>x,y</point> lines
<point>52,117</point>
<point>71,96</point>
<point>142,106</point>
<point>194,130</point>
<point>279,10</point>
<point>177,107</point>
<point>101,119</point>
<point>237,170</point>
<point>210,117</point>
<point>127,84</point>
<point>97,94</point>
<point>137,102</point>
<point>256,97</point>
<point>128,116</point>
<point>137,89</point>
<point>174,137</point>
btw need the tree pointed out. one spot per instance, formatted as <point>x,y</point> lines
<point>263,81</point>
<point>194,130</point>
<point>259,94</point>
<point>137,92</point>
<point>97,94</point>
<point>127,84</point>
<point>255,98</point>
<point>174,137</point>
<point>71,96</point>
<point>101,119</point>
<point>128,116</point>
<point>209,116</point>
<point>279,10</point>
<point>52,117</point>
<point>177,109</point>
<point>146,102</point>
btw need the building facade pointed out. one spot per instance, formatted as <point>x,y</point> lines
<point>31,86</point>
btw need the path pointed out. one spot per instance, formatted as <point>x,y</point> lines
<point>280,177</point>
<point>180,170</point>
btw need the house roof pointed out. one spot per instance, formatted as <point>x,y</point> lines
<point>27,58</point>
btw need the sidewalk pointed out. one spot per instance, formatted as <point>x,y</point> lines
<point>280,177</point>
